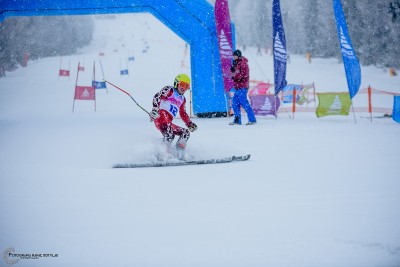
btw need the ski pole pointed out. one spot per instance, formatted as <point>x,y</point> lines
<point>122,90</point>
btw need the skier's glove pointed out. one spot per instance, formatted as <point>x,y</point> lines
<point>154,115</point>
<point>192,127</point>
<point>232,68</point>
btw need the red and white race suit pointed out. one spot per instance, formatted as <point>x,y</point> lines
<point>168,102</point>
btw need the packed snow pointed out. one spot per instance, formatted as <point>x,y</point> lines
<point>315,192</point>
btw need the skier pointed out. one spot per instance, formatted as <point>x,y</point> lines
<point>166,105</point>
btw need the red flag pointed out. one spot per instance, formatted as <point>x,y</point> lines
<point>64,73</point>
<point>84,93</point>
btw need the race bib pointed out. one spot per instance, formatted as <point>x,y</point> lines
<point>172,103</point>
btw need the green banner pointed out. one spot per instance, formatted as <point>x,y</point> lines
<point>333,104</point>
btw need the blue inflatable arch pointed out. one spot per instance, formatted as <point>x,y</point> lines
<point>191,20</point>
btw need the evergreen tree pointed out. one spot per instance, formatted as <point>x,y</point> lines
<point>310,26</point>
<point>310,17</point>
<point>42,37</point>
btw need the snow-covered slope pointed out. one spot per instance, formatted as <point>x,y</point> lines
<point>316,192</point>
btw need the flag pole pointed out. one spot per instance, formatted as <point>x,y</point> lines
<point>370,102</point>
<point>102,72</point>
<point>227,103</point>
<point>354,114</point>
<point>76,83</point>
<point>294,101</point>
<point>94,87</point>
<point>315,97</point>
<point>283,107</point>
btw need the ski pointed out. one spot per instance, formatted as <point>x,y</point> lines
<point>182,162</point>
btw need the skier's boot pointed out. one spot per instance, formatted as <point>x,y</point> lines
<point>236,121</point>
<point>180,150</point>
<point>165,152</point>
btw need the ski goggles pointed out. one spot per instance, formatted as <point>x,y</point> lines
<point>184,85</point>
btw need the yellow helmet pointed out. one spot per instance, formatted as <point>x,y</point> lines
<point>181,78</point>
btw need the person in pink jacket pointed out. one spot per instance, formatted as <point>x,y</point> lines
<point>240,76</point>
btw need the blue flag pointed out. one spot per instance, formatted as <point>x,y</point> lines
<point>279,47</point>
<point>99,85</point>
<point>350,61</point>
<point>396,109</point>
